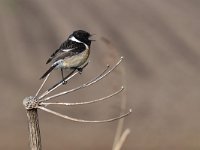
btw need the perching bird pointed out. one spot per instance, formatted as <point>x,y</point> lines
<point>72,53</point>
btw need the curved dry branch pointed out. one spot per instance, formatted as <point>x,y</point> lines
<point>68,77</point>
<point>42,85</point>
<point>122,139</point>
<point>62,81</point>
<point>59,84</point>
<point>98,76</point>
<point>85,84</point>
<point>84,121</point>
<point>83,103</point>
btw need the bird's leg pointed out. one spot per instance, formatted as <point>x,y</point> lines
<point>63,79</point>
<point>70,73</point>
<point>80,69</point>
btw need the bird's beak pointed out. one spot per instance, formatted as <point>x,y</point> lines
<point>91,36</point>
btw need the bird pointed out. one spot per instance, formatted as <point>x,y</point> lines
<point>71,54</point>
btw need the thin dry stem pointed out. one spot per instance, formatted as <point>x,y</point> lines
<point>83,103</point>
<point>86,84</point>
<point>120,125</point>
<point>33,103</point>
<point>68,77</point>
<point>95,78</point>
<point>34,130</point>
<point>52,89</point>
<point>122,139</point>
<point>81,120</point>
<point>42,85</point>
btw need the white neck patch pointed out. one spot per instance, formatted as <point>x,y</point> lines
<point>74,39</point>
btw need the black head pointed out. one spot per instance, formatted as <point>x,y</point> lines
<point>82,36</point>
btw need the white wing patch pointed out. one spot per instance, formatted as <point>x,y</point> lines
<point>67,50</point>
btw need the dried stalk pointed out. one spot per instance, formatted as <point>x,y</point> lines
<point>39,102</point>
<point>33,123</point>
<point>83,103</point>
<point>83,121</point>
<point>34,129</point>
<point>122,139</point>
<point>120,135</point>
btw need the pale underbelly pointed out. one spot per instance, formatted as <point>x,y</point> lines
<point>75,61</point>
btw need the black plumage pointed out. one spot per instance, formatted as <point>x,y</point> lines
<point>72,53</point>
<point>73,47</point>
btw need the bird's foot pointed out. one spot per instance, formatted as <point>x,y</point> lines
<point>64,82</point>
<point>80,70</point>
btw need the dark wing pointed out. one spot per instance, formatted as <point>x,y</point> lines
<point>48,71</point>
<point>72,48</point>
<point>52,56</point>
<point>64,45</point>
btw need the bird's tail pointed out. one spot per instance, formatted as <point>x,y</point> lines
<point>48,71</point>
<point>52,56</point>
<point>49,60</point>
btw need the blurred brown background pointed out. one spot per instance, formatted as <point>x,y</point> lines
<point>160,42</point>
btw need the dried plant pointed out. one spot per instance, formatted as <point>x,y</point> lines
<point>121,134</point>
<point>32,103</point>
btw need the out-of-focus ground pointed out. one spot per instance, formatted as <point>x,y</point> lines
<point>160,42</point>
